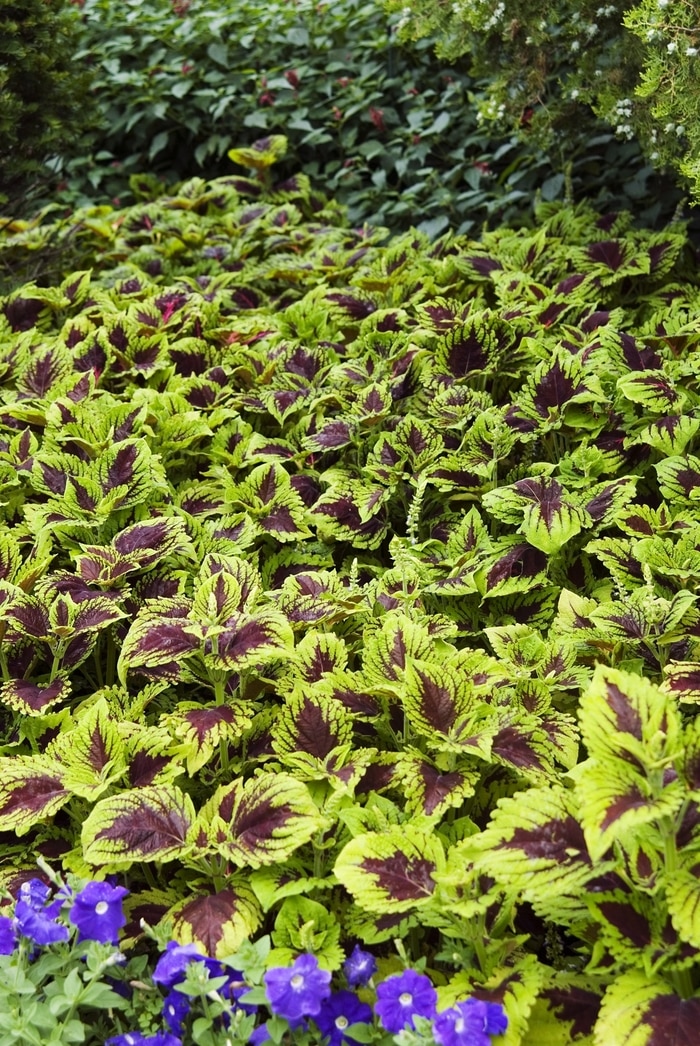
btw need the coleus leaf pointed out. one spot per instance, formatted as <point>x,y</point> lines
<point>303,925</point>
<point>638,1008</point>
<point>260,821</point>
<point>679,478</point>
<point>512,566</point>
<point>219,922</point>
<point>311,722</point>
<point>430,791</point>
<point>653,389</point>
<point>389,650</point>
<point>158,637</point>
<point>34,699</point>
<point>32,789</point>
<point>319,653</point>
<point>92,754</point>
<point>393,871</point>
<point>200,728</point>
<point>634,928</point>
<point>155,823</point>
<point>534,844</point>
<point>250,639</point>
<point>550,516</point>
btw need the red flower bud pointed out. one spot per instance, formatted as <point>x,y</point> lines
<point>267,98</point>
<point>292,77</point>
<point>377,118</point>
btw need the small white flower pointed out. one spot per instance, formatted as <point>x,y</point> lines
<point>574,94</point>
<point>691,51</point>
<point>673,46</point>
<point>680,129</point>
<point>575,46</point>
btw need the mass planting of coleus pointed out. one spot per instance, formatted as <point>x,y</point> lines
<point>348,593</point>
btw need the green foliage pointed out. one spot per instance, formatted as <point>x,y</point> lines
<point>390,131</point>
<point>44,100</point>
<point>348,591</point>
<point>635,65</point>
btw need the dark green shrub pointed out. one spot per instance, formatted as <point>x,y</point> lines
<point>43,92</point>
<point>388,129</point>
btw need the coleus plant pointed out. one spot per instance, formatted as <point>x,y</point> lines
<point>347,592</point>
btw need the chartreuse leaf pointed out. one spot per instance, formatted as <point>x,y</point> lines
<point>199,729</point>
<point>260,821</point>
<point>391,871</point>
<point>34,699</point>
<point>390,649</point>
<point>550,516</point>
<point>679,478</point>
<point>638,1010</point>
<point>626,717</point>
<point>262,153</point>
<point>219,922</point>
<point>429,790</point>
<point>534,844</point>
<point>311,722</point>
<point>272,883</point>
<point>92,753</point>
<point>144,824</point>
<point>683,897</point>
<point>32,789</point>
<point>440,705</point>
<point>158,637</point>
<point>303,925</point>
<point>565,1012</point>
<point>632,731</point>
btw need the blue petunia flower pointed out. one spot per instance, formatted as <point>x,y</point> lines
<point>469,1023</point>
<point>297,991</point>
<point>176,1006</point>
<point>97,912</point>
<point>402,997</point>
<point>359,967</point>
<point>338,1012</point>
<point>136,1038</point>
<point>171,968</point>
<point>8,938</point>
<point>38,925</point>
<point>37,894</point>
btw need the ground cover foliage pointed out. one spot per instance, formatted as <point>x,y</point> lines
<point>348,592</point>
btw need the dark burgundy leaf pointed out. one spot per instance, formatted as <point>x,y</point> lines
<point>520,561</point>
<point>146,827</point>
<point>32,795</point>
<point>553,390</point>
<point>204,720</point>
<point>437,703</point>
<point>560,840</point>
<point>610,253</point>
<point>207,916</point>
<point>628,718</point>
<point>515,748</point>
<point>36,697</point>
<point>22,313</point>
<point>54,478</point>
<point>144,768</point>
<point>437,786</point>
<point>576,1007</point>
<point>404,878</point>
<point>627,921</point>
<point>121,470</point>
<point>672,1021</point>
<point>313,731</point>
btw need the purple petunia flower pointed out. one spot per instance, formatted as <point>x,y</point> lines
<point>8,939</point>
<point>260,1036</point>
<point>402,997</point>
<point>136,1038</point>
<point>38,925</point>
<point>469,1023</point>
<point>97,912</point>
<point>297,991</point>
<point>359,967</point>
<point>338,1012</point>
<point>171,968</point>
<point>176,1006</point>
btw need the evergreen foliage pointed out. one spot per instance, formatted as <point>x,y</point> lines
<point>43,94</point>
